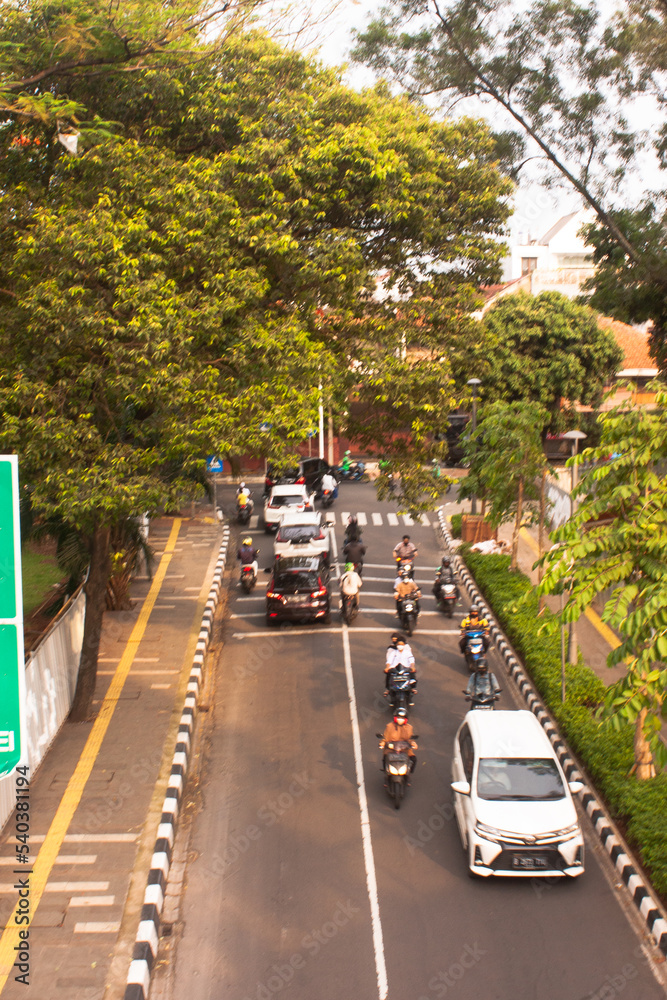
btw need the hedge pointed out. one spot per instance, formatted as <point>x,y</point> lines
<point>640,807</point>
<point>455,525</point>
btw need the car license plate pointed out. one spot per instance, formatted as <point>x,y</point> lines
<point>296,600</point>
<point>529,862</point>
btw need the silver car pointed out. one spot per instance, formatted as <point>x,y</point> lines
<point>303,534</point>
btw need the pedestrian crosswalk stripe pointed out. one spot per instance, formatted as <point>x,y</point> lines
<point>392,520</point>
<point>424,521</point>
<point>408,520</point>
<point>376,518</point>
<point>362,519</point>
<point>331,518</point>
<point>344,514</point>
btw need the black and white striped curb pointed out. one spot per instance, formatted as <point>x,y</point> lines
<point>609,836</point>
<point>148,934</point>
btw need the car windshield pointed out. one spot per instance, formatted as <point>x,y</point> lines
<point>519,778</point>
<point>299,533</point>
<point>299,580</point>
<point>288,501</point>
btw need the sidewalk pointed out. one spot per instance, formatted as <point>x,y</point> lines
<point>94,814</point>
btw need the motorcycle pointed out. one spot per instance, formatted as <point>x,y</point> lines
<point>485,701</point>
<point>349,607</point>
<point>352,473</point>
<point>244,507</point>
<point>447,595</point>
<point>408,614</point>
<point>397,768</point>
<point>401,688</point>
<point>474,648</point>
<point>327,498</point>
<point>406,565</point>
<point>248,577</point>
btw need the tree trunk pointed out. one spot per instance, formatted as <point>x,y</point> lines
<point>95,588</point>
<point>643,766</point>
<point>540,533</point>
<point>517,525</point>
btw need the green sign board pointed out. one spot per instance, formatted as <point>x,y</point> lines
<point>12,663</point>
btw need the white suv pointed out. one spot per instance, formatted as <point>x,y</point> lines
<point>513,804</point>
<point>292,497</point>
<point>303,534</point>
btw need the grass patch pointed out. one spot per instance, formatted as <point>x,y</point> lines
<point>639,806</point>
<point>40,572</point>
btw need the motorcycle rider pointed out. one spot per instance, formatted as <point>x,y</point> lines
<point>399,729</point>
<point>482,683</point>
<point>399,658</point>
<point>347,461</point>
<point>405,550</point>
<point>354,551</point>
<point>351,583</point>
<point>243,497</point>
<point>330,484</point>
<point>405,586</point>
<point>247,554</point>
<point>444,574</point>
<point>352,529</point>
<point>473,621</point>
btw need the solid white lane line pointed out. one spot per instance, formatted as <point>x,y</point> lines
<point>392,520</point>
<point>377,519</point>
<point>297,632</point>
<point>369,861</point>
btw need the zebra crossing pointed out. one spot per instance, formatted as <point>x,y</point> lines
<point>376,519</point>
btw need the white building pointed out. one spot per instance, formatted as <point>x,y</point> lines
<point>559,261</point>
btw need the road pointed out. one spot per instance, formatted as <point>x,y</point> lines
<point>293,889</point>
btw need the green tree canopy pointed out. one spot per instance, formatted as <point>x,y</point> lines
<point>161,303</point>
<point>616,542</point>
<point>567,80</point>
<point>548,349</point>
<point>506,462</point>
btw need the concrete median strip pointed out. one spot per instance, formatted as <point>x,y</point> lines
<point>148,933</point>
<point>610,837</point>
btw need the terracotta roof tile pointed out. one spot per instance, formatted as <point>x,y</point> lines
<point>633,343</point>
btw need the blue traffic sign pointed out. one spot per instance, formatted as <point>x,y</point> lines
<point>213,463</point>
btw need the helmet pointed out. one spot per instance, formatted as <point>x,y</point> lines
<point>242,486</point>
<point>482,665</point>
<point>474,610</point>
<point>446,561</point>
<point>400,716</point>
<point>349,567</point>
<point>247,541</point>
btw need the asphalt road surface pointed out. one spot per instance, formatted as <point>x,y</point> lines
<point>305,883</point>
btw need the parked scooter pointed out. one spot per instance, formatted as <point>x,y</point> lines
<point>352,473</point>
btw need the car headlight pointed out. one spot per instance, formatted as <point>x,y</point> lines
<point>490,832</point>
<point>567,831</point>
<point>403,769</point>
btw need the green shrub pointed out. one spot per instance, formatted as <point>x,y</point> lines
<point>608,755</point>
<point>456,525</point>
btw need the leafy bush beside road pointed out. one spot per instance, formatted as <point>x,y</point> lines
<point>639,807</point>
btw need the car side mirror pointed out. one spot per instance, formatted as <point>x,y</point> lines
<point>575,786</point>
<point>380,736</point>
<point>462,787</point>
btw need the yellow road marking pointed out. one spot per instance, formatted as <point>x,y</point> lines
<point>72,795</point>
<point>607,634</point>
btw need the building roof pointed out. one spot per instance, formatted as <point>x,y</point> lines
<point>634,343</point>
<point>555,229</point>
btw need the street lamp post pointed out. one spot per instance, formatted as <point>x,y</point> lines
<point>575,437</point>
<point>474,384</point>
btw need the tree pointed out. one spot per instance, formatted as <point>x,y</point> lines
<point>548,349</point>
<point>166,301</point>
<point>617,540</point>
<point>568,77</point>
<point>506,462</point>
